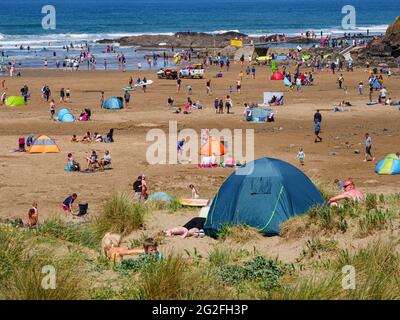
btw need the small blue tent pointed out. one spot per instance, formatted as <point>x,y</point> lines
<point>64,115</point>
<point>160,196</point>
<point>114,103</point>
<point>262,194</point>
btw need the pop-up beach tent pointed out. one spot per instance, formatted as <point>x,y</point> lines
<point>262,194</point>
<point>213,146</point>
<point>64,115</point>
<point>390,165</point>
<point>43,144</point>
<point>114,103</point>
<point>15,101</point>
<point>277,76</point>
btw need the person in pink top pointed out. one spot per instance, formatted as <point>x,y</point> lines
<point>351,193</point>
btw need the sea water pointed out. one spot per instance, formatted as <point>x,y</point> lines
<point>80,21</point>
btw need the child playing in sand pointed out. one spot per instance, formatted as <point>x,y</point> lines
<point>301,156</point>
<point>33,216</point>
<point>74,138</point>
<point>67,205</point>
<point>195,194</point>
<point>21,144</point>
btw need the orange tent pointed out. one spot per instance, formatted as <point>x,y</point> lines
<point>277,76</point>
<point>43,144</point>
<point>213,146</point>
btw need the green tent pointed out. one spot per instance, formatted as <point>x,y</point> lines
<point>14,101</point>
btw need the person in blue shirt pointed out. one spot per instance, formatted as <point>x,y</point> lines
<point>68,203</point>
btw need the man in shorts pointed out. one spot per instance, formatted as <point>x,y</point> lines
<point>317,130</point>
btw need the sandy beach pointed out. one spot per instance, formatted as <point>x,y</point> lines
<point>26,178</point>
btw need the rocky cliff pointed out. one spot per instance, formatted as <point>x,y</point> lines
<point>382,50</point>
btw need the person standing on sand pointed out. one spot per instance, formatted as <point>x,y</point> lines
<point>3,98</point>
<point>368,146</point>
<point>242,60</point>
<point>317,130</point>
<point>360,88</point>
<point>216,105</point>
<point>301,156</point>
<point>101,99</point>
<point>62,95</point>
<point>371,91</point>
<point>68,95</point>
<point>318,117</point>
<point>208,85</point>
<point>144,84</point>
<point>220,106</point>
<point>340,81</point>
<point>228,104</point>
<point>52,109</point>
<point>333,67</point>
<point>127,98</point>
<point>238,86</point>
<point>178,85</point>
<point>247,72</point>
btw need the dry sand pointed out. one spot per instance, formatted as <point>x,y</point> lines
<point>25,178</point>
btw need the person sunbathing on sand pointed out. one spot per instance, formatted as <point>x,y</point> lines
<point>351,193</point>
<point>193,228</point>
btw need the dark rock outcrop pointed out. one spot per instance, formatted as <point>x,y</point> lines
<point>382,50</point>
<point>182,40</point>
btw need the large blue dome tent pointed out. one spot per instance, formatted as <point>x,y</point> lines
<point>114,103</point>
<point>262,194</point>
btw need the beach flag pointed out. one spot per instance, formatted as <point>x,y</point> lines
<point>273,66</point>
